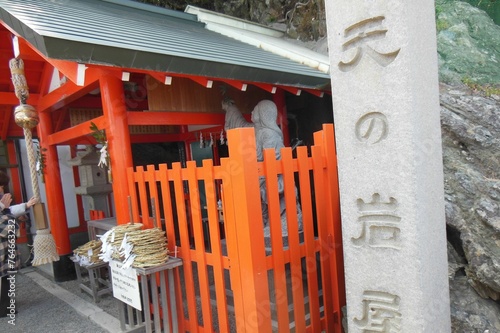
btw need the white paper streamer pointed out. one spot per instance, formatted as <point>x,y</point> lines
<point>103,159</point>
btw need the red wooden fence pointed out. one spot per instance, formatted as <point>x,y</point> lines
<point>230,281</point>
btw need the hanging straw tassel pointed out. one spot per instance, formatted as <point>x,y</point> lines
<point>44,248</point>
<point>44,245</point>
<point>25,116</point>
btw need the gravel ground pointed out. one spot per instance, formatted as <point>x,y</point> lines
<point>106,302</point>
<point>39,311</point>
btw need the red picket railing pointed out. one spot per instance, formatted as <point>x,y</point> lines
<point>232,278</point>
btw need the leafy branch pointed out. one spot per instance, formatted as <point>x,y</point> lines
<point>100,136</point>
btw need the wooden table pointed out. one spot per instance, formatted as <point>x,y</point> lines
<point>97,285</point>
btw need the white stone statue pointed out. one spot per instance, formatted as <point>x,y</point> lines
<point>234,118</point>
<point>269,135</point>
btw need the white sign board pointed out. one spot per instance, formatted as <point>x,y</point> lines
<point>125,284</point>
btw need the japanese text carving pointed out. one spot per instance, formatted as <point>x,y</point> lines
<point>359,36</point>
<point>380,313</point>
<point>380,223</point>
<point>372,128</point>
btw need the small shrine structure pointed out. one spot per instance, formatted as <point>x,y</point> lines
<point>153,80</point>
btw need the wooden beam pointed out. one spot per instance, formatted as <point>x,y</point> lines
<point>292,90</point>
<point>10,98</point>
<point>6,122</point>
<point>63,95</point>
<point>162,77</point>
<point>28,52</point>
<point>236,84</point>
<point>267,87</point>
<point>83,140</point>
<point>17,132</point>
<point>60,119</point>
<point>70,69</point>
<point>207,83</point>
<point>46,78</point>
<point>175,118</point>
<point>147,138</point>
<point>318,93</point>
<point>87,102</point>
<point>75,132</point>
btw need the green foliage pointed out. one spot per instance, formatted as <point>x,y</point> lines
<point>492,7</point>
<point>442,24</point>
<point>439,9</point>
<point>484,89</point>
<point>99,135</point>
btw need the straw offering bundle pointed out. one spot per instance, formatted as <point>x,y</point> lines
<point>88,253</point>
<point>144,248</point>
<point>113,238</point>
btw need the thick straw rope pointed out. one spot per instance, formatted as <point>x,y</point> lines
<point>135,247</point>
<point>44,246</point>
<point>19,80</point>
<point>88,253</point>
<point>112,239</point>
<point>149,247</point>
<point>31,161</point>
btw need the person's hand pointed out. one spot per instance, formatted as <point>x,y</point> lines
<point>31,202</point>
<point>6,200</point>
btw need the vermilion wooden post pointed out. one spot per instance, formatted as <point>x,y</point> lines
<point>55,197</point>
<point>335,191</point>
<point>14,172</point>
<point>249,232</point>
<point>279,100</point>
<point>326,139</point>
<point>118,135</point>
<point>15,189</point>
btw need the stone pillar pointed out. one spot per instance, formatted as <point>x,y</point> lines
<point>386,111</point>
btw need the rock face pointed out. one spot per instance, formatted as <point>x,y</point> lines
<point>471,157</point>
<point>303,20</point>
<point>468,43</point>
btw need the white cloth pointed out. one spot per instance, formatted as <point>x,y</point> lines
<point>16,210</point>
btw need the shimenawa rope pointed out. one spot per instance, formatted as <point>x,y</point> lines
<point>25,116</point>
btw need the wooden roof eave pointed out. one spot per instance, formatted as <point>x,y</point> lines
<point>138,61</point>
